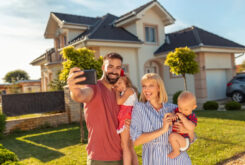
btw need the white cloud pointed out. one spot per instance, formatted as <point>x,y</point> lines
<point>178,25</point>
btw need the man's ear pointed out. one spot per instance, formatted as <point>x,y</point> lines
<point>195,106</point>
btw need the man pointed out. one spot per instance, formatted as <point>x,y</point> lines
<point>101,110</point>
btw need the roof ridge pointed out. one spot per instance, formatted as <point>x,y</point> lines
<point>218,35</point>
<point>142,6</point>
<point>103,18</point>
<point>183,30</point>
<point>196,35</point>
<point>75,15</point>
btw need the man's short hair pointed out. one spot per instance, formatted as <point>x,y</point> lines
<point>113,56</point>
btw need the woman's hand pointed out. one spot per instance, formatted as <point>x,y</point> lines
<point>167,121</point>
<point>180,128</point>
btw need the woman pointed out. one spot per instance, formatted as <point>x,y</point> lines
<point>151,124</point>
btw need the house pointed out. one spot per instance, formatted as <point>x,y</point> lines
<point>21,86</point>
<point>139,36</point>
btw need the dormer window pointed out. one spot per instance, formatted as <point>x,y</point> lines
<point>150,34</point>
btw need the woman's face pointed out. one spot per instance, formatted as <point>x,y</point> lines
<point>150,90</point>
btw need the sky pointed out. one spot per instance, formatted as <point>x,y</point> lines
<point>23,22</point>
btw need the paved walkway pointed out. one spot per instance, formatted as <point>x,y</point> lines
<point>236,160</point>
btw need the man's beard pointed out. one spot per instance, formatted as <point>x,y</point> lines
<point>112,80</point>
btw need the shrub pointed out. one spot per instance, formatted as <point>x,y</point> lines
<point>2,124</point>
<point>12,163</point>
<point>232,105</point>
<point>210,105</point>
<point>6,155</point>
<point>175,96</point>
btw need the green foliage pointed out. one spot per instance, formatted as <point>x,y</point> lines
<point>83,58</point>
<point>210,105</point>
<point>181,62</point>
<point>57,85</point>
<point>232,105</point>
<point>7,156</point>
<point>175,97</point>
<point>242,67</point>
<point>12,163</point>
<point>16,75</point>
<point>2,124</point>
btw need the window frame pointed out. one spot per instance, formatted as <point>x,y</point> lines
<point>156,34</point>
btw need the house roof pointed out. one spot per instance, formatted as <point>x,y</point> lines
<point>138,10</point>
<point>105,30</point>
<point>42,57</point>
<point>194,37</point>
<point>76,19</point>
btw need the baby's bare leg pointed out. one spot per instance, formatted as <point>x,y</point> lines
<point>177,141</point>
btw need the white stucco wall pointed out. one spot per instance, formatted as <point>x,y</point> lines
<point>176,84</point>
<point>147,51</point>
<point>217,61</point>
<point>131,28</point>
<point>72,34</point>
<point>129,57</point>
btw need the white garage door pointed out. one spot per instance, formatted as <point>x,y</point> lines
<point>216,84</point>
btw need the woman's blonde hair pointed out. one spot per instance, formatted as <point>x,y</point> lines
<point>163,97</point>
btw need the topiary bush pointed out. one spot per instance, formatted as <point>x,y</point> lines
<point>210,105</point>
<point>6,155</point>
<point>232,105</point>
<point>175,96</point>
<point>2,124</point>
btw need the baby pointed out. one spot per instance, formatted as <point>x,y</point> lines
<point>183,114</point>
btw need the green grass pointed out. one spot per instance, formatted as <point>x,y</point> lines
<point>220,136</point>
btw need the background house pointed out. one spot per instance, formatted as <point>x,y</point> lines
<point>139,36</point>
<point>22,86</point>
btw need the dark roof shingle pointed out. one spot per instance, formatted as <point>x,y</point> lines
<point>194,37</point>
<point>75,19</point>
<point>105,30</point>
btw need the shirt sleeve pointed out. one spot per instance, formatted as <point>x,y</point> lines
<point>193,118</point>
<point>136,127</point>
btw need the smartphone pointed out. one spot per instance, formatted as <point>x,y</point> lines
<point>91,77</point>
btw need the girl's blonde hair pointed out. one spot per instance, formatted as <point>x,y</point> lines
<point>162,95</point>
<point>128,83</point>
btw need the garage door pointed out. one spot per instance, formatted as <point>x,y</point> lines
<point>216,84</point>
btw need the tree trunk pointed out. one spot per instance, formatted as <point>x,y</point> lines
<point>185,82</point>
<point>81,124</point>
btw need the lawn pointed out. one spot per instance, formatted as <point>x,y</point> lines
<point>220,136</point>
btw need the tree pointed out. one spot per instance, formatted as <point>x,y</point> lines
<point>16,75</point>
<point>242,67</point>
<point>84,59</point>
<point>57,84</point>
<point>182,62</point>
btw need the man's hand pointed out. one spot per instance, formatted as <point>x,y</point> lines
<point>79,93</point>
<point>72,80</point>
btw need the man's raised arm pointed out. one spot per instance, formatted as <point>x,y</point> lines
<point>79,93</point>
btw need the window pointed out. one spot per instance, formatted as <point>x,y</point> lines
<point>125,68</point>
<point>152,69</point>
<point>150,34</point>
<point>64,40</point>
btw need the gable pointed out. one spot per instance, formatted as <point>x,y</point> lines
<point>138,13</point>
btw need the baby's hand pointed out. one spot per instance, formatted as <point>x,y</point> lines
<point>180,116</point>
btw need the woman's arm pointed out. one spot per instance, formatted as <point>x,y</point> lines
<point>147,137</point>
